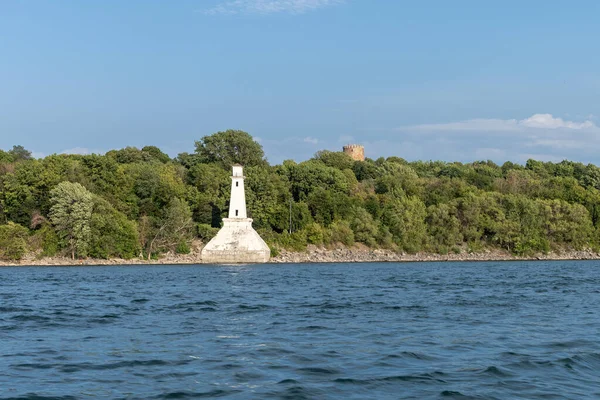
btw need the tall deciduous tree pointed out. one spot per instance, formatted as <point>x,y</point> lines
<point>71,214</point>
<point>230,147</point>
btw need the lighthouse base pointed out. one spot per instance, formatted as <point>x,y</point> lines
<point>236,243</point>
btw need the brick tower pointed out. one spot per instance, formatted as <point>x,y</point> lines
<point>355,151</point>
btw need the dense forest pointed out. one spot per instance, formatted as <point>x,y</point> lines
<point>141,203</point>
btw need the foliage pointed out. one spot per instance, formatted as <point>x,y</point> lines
<point>19,153</point>
<point>173,231</point>
<point>230,147</point>
<point>206,232</point>
<point>112,234</point>
<point>133,202</point>
<point>13,241</point>
<point>71,214</point>
<point>341,232</point>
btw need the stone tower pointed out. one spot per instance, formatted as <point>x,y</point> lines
<point>236,242</point>
<point>355,151</point>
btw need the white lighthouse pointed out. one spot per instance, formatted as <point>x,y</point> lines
<point>236,242</point>
<point>237,204</point>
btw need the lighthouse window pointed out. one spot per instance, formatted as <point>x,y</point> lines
<point>236,213</point>
<point>237,184</point>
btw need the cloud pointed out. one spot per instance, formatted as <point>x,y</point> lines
<point>76,150</point>
<point>311,140</point>
<point>81,151</point>
<point>538,121</point>
<point>549,122</point>
<point>540,136</point>
<point>231,7</point>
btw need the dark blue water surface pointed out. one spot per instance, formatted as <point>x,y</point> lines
<point>528,330</point>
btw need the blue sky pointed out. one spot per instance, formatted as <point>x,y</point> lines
<point>452,80</point>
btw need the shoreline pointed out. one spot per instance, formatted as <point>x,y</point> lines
<point>313,255</point>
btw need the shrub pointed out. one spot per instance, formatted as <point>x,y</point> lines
<point>342,233</point>
<point>183,248</point>
<point>274,250</point>
<point>49,241</point>
<point>13,241</point>
<point>295,241</point>
<point>206,232</point>
<point>314,233</point>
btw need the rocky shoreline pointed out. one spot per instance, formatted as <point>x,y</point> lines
<point>314,254</point>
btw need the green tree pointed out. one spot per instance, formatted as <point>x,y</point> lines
<point>341,232</point>
<point>335,159</point>
<point>19,153</point>
<point>443,227</point>
<point>405,219</point>
<point>71,214</point>
<point>174,230</point>
<point>214,187</point>
<point>13,241</point>
<point>112,234</point>
<point>156,154</point>
<point>230,147</point>
<point>364,227</point>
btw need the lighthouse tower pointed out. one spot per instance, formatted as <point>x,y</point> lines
<point>237,242</point>
<point>237,204</point>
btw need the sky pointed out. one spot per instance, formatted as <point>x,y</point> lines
<point>459,80</point>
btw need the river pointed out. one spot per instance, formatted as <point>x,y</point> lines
<point>480,330</point>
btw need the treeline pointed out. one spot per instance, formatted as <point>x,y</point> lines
<point>141,203</point>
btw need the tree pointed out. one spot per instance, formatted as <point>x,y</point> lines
<point>311,175</point>
<point>213,184</point>
<point>5,157</point>
<point>156,153</point>
<point>443,226</point>
<point>230,147</point>
<point>112,234</point>
<point>405,218</point>
<point>174,230</point>
<point>19,153</point>
<point>71,214</point>
<point>364,228</point>
<point>335,159</point>
<point>13,241</point>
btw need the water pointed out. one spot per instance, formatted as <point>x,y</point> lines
<point>526,330</point>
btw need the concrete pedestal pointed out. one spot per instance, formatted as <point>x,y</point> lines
<point>236,243</point>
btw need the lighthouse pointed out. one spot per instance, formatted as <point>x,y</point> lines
<point>236,242</point>
<point>237,204</point>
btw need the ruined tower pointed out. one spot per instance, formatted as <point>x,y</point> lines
<point>236,242</point>
<point>355,151</point>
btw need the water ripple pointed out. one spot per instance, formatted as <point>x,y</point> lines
<point>333,331</point>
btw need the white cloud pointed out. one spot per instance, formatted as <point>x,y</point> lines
<point>81,151</point>
<point>495,125</point>
<point>311,140</point>
<point>536,121</point>
<point>557,143</point>
<point>269,6</point>
<point>549,122</point>
<point>76,150</point>
<point>540,136</point>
